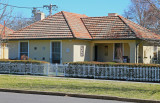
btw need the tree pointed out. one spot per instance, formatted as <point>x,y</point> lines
<point>146,13</point>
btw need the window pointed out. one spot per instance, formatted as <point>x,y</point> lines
<point>56,52</point>
<point>23,50</point>
<point>118,52</point>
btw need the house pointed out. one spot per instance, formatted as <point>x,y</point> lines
<point>3,45</point>
<point>71,37</point>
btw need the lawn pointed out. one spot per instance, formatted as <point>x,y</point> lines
<point>81,86</point>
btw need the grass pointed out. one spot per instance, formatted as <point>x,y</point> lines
<point>94,87</point>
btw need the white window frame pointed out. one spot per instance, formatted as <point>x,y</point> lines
<point>20,47</point>
<point>60,50</point>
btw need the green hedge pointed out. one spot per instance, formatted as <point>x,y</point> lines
<point>22,61</point>
<point>115,64</point>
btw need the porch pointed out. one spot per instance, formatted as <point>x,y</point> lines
<point>115,51</point>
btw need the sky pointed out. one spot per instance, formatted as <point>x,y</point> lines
<point>90,8</point>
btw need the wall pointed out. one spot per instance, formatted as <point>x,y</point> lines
<point>4,51</point>
<point>102,53</point>
<point>13,49</point>
<point>71,50</point>
<point>42,51</point>
<point>126,50</point>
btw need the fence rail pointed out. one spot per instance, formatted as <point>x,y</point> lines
<point>84,71</point>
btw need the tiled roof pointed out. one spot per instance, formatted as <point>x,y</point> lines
<point>140,31</point>
<point>60,25</point>
<point>76,25</point>
<point>109,27</point>
<point>54,26</point>
<point>71,25</point>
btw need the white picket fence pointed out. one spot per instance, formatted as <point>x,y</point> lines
<point>115,72</point>
<point>84,71</point>
<point>33,69</point>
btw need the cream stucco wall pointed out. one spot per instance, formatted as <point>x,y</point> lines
<point>103,55</point>
<point>13,49</point>
<point>126,50</point>
<point>71,50</point>
<point>4,52</point>
<point>147,54</point>
<point>44,50</point>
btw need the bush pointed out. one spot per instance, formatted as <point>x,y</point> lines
<point>114,64</point>
<point>22,61</point>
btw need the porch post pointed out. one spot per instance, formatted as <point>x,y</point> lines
<point>92,52</point>
<point>132,52</point>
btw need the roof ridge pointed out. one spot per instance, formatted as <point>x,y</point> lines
<point>86,28</point>
<point>128,26</point>
<point>67,23</point>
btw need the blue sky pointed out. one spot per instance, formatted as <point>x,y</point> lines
<point>88,7</point>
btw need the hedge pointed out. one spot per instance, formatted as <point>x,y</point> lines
<point>114,64</point>
<point>22,61</point>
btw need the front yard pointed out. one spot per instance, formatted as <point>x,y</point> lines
<point>81,86</point>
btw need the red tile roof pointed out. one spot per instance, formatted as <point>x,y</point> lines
<point>109,27</point>
<point>140,31</point>
<point>76,25</point>
<point>71,25</point>
<point>54,26</point>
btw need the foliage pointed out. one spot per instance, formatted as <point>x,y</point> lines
<point>146,13</point>
<point>114,64</point>
<point>22,61</point>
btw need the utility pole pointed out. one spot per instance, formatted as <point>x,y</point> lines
<point>50,8</point>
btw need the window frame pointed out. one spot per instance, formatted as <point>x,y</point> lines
<point>19,49</point>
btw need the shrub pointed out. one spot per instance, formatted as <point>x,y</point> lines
<point>22,61</point>
<point>114,64</point>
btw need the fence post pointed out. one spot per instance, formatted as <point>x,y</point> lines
<point>64,65</point>
<point>56,69</point>
<point>158,74</point>
<point>94,71</point>
<point>47,73</point>
<point>31,69</point>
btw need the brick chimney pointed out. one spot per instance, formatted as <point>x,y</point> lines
<point>112,14</point>
<point>39,16</point>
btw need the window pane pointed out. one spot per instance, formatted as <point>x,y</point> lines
<point>24,47</point>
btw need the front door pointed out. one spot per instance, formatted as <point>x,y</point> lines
<point>56,52</point>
